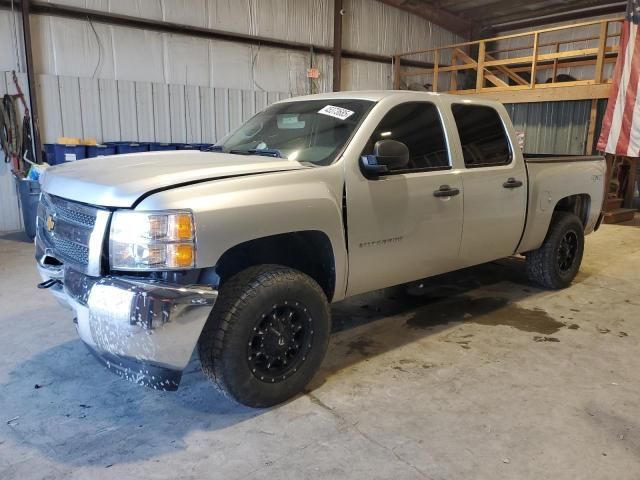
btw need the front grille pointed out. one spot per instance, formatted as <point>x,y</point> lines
<point>73,212</point>
<point>68,250</point>
<point>65,230</point>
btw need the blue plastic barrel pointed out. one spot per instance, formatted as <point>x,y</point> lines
<point>100,150</point>
<point>50,153</point>
<point>29,195</point>
<point>68,153</point>
<point>193,146</point>
<point>156,147</point>
<point>131,148</point>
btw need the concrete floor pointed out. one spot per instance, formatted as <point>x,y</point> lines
<point>482,376</point>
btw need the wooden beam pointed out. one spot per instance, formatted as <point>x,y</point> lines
<point>436,66</point>
<point>508,72</point>
<point>588,149</point>
<point>555,94</point>
<point>439,16</point>
<point>534,60</point>
<point>480,74</point>
<point>602,47</point>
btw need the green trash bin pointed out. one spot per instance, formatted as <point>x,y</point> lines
<point>29,195</point>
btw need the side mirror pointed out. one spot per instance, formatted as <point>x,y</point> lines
<point>387,155</point>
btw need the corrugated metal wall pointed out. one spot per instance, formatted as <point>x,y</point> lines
<point>113,110</point>
<point>552,127</point>
<point>374,27</point>
<point>11,58</point>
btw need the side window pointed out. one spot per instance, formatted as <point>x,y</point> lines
<point>418,126</point>
<point>484,141</point>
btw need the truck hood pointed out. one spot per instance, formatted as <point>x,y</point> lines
<point>118,181</point>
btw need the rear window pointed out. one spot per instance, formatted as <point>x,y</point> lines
<point>482,135</point>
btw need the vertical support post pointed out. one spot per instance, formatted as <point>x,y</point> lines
<point>453,83</point>
<point>602,47</point>
<point>31,79</point>
<point>534,60</point>
<point>396,72</point>
<point>482,47</point>
<point>436,62</point>
<point>554,72</point>
<point>588,149</point>
<point>337,44</point>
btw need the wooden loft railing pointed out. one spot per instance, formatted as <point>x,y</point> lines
<point>508,75</point>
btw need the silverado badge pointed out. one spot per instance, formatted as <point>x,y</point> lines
<point>51,223</point>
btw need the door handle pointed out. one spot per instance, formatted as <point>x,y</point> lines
<point>512,183</point>
<point>446,191</point>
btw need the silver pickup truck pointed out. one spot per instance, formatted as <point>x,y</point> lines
<point>240,250</point>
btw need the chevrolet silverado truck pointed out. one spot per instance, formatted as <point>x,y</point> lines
<point>240,250</point>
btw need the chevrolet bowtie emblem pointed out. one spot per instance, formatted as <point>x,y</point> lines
<point>51,223</point>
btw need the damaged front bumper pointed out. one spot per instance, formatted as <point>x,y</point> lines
<point>145,331</point>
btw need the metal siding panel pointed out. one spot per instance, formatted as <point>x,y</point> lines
<point>193,114</point>
<point>161,116</point>
<point>235,108</point>
<point>222,112</point>
<point>261,100</point>
<point>90,105</point>
<point>70,106</point>
<point>109,110</point>
<point>49,108</point>
<point>208,115</point>
<point>552,127</point>
<point>177,113</point>
<point>272,97</point>
<point>144,112</point>
<point>248,104</point>
<point>127,110</point>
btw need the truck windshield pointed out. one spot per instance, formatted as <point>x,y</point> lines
<point>312,131</point>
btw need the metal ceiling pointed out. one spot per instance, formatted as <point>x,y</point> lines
<point>472,17</point>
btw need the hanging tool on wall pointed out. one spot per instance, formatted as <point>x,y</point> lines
<point>15,135</point>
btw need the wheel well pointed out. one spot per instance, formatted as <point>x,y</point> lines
<point>307,251</point>
<point>579,205</point>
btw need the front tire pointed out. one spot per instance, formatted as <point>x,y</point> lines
<point>267,335</point>
<point>556,263</point>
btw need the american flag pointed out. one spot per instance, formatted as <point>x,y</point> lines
<point>620,134</point>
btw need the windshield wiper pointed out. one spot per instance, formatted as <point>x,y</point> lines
<point>265,152</point>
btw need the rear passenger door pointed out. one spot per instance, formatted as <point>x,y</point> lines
<point>494,182</point>
<point>407,224</point>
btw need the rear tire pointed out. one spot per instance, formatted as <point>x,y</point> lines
<point>267,335</point>
<point>556,263</point>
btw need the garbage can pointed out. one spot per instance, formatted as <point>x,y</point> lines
<point>29,195</point>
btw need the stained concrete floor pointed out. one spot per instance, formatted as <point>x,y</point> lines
<point>478,376</point>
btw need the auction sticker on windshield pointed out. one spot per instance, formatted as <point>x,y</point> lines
<point>336,112</point>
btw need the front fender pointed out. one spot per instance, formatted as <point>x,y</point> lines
<point>232,211</point>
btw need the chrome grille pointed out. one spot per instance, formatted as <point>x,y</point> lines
<point>75,213</point>
<point>71,251</point>
<point>71,232</point>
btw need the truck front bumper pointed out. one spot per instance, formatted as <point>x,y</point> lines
<point>145,331</point>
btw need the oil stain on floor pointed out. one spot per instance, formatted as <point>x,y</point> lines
<point>485,311</point>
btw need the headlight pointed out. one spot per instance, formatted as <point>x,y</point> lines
<point>152,240</point>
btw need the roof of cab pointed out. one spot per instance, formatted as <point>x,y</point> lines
<point>377,95</point>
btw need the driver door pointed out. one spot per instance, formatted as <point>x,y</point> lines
<point>399,228</point>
